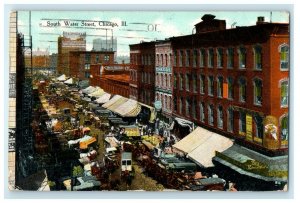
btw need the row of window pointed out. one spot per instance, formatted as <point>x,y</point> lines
<point>163,80</point>
<point>258,120</point>
<point>146,78</point>
<point>163,59</point>
<point>165,101</point>
<point>225,89</point>
<point>202,57</point>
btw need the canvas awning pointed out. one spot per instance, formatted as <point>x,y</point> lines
<point>61,78</point>
<point>98,93</point>
<point>254,164</point>
<point>111,101</point>
<point>69,81</point>
<point>89,90</point>
<point>201,144</point>
<point>130,108</point>
<point>103,99</point>
<point>118,103</point>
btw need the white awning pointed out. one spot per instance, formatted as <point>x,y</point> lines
<point>69,81</point>
<point>111,101</point>
<point>201,144</point>
<point>130,108</point>
<point>103,99</point>
<point>99,92</point>
<point>61,78</point>
<point>88,89</point>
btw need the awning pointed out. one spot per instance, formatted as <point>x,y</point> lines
<point>118,103</point>
<point>103,99</point>
<point>89,90</point>
<point>111,101</point>
<point>86,141</point>
<point>98,93</point>
<point>112,141</point>
<point>69,81</point>
<point>131,130</point>
<point>201,144</point>
<point>185,123</point>
<point>130,108</point>
<point>254,164</point>
<point>61,78</point>
<point>152,111</point>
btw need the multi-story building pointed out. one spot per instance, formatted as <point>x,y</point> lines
<point>80,62</point>
<point>70,41</point>
<point>230,80</point>
<point>112,78</point>
<point>142,72</point>
<point>163,76</point>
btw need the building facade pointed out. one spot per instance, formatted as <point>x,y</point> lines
<point>80,62</point>
<point>163,77</point>
<point>105,44</point>
<point>70,41</point>
<point>112,78</point>
<point>230,80</point>
<point>142,72</point>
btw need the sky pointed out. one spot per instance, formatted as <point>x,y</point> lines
<point>129,27</point>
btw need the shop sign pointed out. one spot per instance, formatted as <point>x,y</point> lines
<point>248,127</point>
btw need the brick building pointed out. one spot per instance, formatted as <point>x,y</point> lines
<point>70,41</point>
<point>163,76</point>
<point>229,80</point>
<point>112,78</point>
<point>142,72</point>
<point>80,62</point>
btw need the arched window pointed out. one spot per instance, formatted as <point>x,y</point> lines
<point>175,81</point>
<point>220,86</point>
<point>242,89</point>
<point>187,107</point>
<point>230,87</point>
<point>210,114</point>
<point>284,93</point>
<point>230,57</point>
<point>257,91</point>
<point>202,84</point>
<point>180,82</point>
<point>202,112</point>
<point>161,60</point>
<point>257,57</point>
<point>180,58</point>
<point>187,82</point>
<point>242,57</point>
<point>220,63</point>
<point>195,83</point>
<point>242,123</point>
<point>194,108</point>
<point>187,58</point>
<point>157,60</point>
<point>230,123</point>
<point>166,60</point>
<point>220,117</point>
<point>210,85</point>
<point>175,58</point>
<point>284,57</point>
<point>202,57</point>
<point>284,128</point>
<point>195,58</point>
<point>259,129</point>
<point>210,57</point>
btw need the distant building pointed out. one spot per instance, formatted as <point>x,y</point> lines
<point>100,44</point>
<point>39,52</point>
<point>81,61</point>
<point>70,41</point>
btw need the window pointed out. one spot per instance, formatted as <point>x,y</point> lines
<point>180,58</point>
<point>202,57</point>
<point>195,58</point>
<point>230,87</point>
<point>242,122</point>
<point>230,119</point>
<point>194,108</point>
<point>97,58</point>
<point>180,82</point>
<point>187,107</point>
<point>258,91</point>
<point>259,128</point>
<point>175,58</point>
<point>284,57</point>
<point>106,58</point>
<point>220,57</point>
<point>87,66</point>
<point>187,82</point>
<point>149,60</point>
<point>202,114</point>
<point>284,93</point>
<point>211,114</point>
<point>220,86</point>
<point>87,58</point>
<point>195,83</point>
<point>220,117</point>
<point>284,128</point>
<point>211,85</point>
<point>257,57</point>
<point>242,58</point>
<point>202,84</point>
<point>187,58</point>
<point>169,81</point>
<point>210,58</point>
<point>242,90</point>
<point>230,58</point>
<point>166,60</point>
<point>175,104</point>
<point>166,80</point>
<point>175,81</point>
<point>180,105</point>
<point>157,60</point>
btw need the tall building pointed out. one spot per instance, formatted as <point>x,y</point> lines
<point>70,41</point>
<point>163,77</point>
<point>100,44</point>
<point>231,80</point>
<point>81,61</point>
<point>142,72</point>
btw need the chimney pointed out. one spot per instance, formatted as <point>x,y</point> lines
<point>260,20</point>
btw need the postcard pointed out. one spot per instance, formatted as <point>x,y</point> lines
<point>148,101</point>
